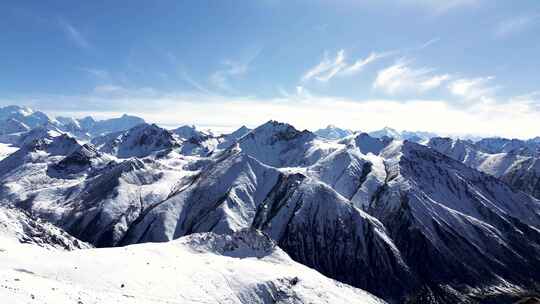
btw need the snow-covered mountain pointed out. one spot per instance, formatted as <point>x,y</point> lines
<point>15,121</point>
<point>416,136</point>
<point>403,221</point>
<point>139,141</point>
<point>245,267</point>
<point>513,161</point>
<point>281,145</point>
<point>23,116</point>
<point>333,132</point>
<point>495,145</point>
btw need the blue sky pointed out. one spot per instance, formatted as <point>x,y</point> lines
<point>457,66</point>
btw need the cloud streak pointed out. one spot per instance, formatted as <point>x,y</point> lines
<point>328,68</point>
<point>233,69</point>
<point>440,7</point>
<point>515,25</point>
<point>74,35</point>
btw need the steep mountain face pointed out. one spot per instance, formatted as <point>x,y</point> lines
<point>333,132</point>
<point>245,267</point>
<point>518,167</point>
<point>16,225</point>
<point>454,224</point>
<point>139,141</point>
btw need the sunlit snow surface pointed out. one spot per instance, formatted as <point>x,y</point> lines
<point>6,150</point>
<point>201,268</point>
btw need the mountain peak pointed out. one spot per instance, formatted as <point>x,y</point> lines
<point>333,132</point>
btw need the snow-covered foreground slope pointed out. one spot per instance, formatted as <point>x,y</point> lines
<point>245,267</point>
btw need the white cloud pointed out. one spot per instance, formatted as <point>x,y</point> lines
<point>515,25</point>
<point>328,68</point>
<point>517,117</point>
<point>473,89</point>
<point>74,34</point>
<point>401,78</point>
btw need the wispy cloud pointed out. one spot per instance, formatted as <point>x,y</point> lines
<point>402,78</point>
<point>474,89</point>
<point>515,25</point>
<point>427,44</point>
<point>233,69</point>
<point>329,67</point>
<point>439,7</point>
<point>99,74</point>
<point>74,34</point>
<point>184,75</point>
<point>220,78</point>
<point>516,118</point>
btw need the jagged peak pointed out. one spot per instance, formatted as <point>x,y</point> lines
<point>280,131</point>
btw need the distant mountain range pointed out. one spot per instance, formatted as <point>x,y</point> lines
<point>406,216</point>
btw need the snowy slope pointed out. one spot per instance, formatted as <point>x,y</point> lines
<point>6,150</point>
<point>202,268</point>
